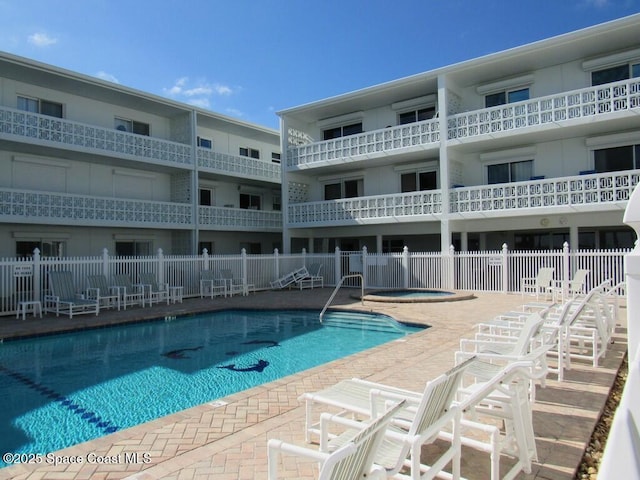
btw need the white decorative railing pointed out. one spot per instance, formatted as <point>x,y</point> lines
<point>603,188</point>
<point>239,218</point>
<point>238,166</point>
<point>30,127</point>
<point>362,209</point>
<point>366,144</point>
<point>587,102</point>
<point>26,206</point>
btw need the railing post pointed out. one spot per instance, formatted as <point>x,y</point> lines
<point>205,259</point>
<point>276,261</point>
<point>105,262</point>
<point>160,266</point>
<point>566,272</point>
<point>37,274</point>
<point>365,277</point>
<point>449,268</point>
<point>243,266</point>
<point>338,266</point>
<point>505,268</point>
<point>405,267</point>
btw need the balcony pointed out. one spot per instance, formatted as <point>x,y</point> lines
<point>26,206</point>
<point>603,191</point>
<point>237,166</point>
<point>403,207</point>
<point>21,126</point>
<point>366,145</point>
<point>587,103</point>
<point>239,219</point>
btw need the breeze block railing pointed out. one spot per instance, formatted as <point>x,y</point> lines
<point>418,135</point>
<point>21,126</point>
<point>490,271</point>
<point>238,166</point>
<point>590,102</point>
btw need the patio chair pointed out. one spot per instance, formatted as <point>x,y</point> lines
<point>63,297</point>
<point>107,296</point>
<point>428,413</point>
<point>232,284</point>
<point>129,293</point>
<point>313,279</point>
<point>154,292</point>
<point>209,285</point>
<point>542,283</point>
<point>290,278</point>
<point>574,287</point>
<point>353,460</point>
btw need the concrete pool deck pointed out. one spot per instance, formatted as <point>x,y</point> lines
<point>226,439</point>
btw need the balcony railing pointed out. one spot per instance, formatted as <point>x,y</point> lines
<point>603,189</point>
<point>25,206</point>
<point>389,139</point>
<point>30,127</point>
<point>239,219</point>
<point>371,209</point>
<point>238,166</point>
<point>587,102</point>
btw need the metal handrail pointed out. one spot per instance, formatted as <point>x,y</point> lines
<point>335,291</point>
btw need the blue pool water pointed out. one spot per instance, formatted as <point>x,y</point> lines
<point>60,390</point>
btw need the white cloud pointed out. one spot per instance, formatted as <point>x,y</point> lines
<point>107,76</point>
<point>198,93</point>
<point>41,40</point>
<point>234,112</point>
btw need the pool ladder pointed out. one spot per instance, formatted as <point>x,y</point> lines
<point>335,291</point>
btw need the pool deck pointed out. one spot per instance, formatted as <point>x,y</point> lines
<point>227,438</point>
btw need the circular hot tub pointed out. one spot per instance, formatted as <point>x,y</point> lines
<point>415,295</point>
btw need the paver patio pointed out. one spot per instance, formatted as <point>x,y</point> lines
<point>226,438</point>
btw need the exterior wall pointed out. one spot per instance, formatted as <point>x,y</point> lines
<point>561,124</point>
<point>80,181</point>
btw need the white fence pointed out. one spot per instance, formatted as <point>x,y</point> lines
<point>490,271</point>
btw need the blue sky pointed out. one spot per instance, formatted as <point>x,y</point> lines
<point>251,58</point>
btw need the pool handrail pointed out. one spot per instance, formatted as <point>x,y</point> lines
<point>335,291</point>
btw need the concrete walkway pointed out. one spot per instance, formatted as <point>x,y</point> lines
<point>226,438</point>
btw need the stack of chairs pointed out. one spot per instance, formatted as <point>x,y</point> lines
<point>486,401</point>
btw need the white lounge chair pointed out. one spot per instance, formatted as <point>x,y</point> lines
<point>63,298</point>
<point>99,289</point>
<point>130,294</point>
<point>232,284</point>
<point>314,279</point>
<point>154,292</point>
<point>353,460</point>
<point>290,278</point>
<point>541,283</point>
<point>573,288</point>
<point>210,285</point>
<point>428,413</point>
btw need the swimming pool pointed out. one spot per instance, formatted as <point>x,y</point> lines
<point>60,390</point>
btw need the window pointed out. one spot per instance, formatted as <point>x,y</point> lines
<point>395,245</point>
<point>249,201</point>
<point>249,152</point>
<point>417,181</point>
<point>206,197</point>
<point>208,245</point>
<point>252,248</point>
<point>205,143</point>
<point>507,96</point>
<point>277,202</point>
<point>416,115</point>
<point>510,172</point>
<point>44,107</point>
<point>132,126</point>
<point>615,74</point>
<point>617,158</point>
<point>342,131</point>
<point>48,248</point>
<point>133,248</point>
<point>275,157</point>
<point>344,189</point>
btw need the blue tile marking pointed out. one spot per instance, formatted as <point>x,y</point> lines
<point>85,414</point>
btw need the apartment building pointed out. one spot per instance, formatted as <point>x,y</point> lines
<point>530,147</point>
<point>87,164</point>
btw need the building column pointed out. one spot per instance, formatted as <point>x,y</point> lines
<point>379,243</point>
<point>464,241</point>
<point>574,237</point>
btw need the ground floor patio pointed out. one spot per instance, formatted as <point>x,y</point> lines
<point>227,438</point>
